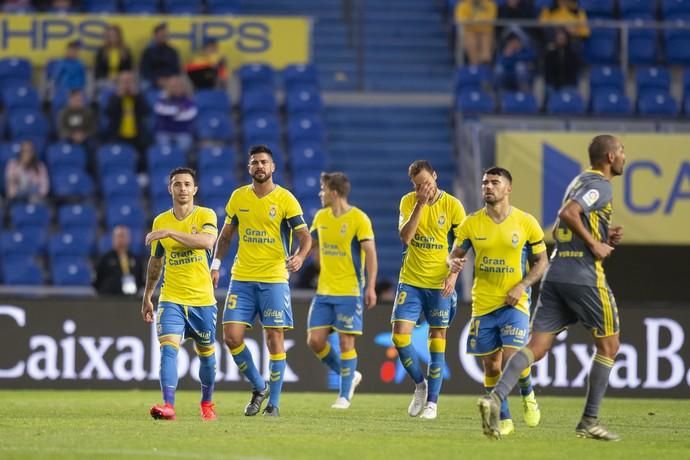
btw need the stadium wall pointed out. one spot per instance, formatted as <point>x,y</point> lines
<point>103,344</point>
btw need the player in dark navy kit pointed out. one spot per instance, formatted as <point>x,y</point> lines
<point>575,289</point>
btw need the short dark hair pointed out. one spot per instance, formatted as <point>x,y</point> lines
<point>260,148</point>
<point>182,170</point>
<point>338,182</point>
<point>498,171</point>
<point>160,26</point>
<point>418,166</point>
<point>599,148</point>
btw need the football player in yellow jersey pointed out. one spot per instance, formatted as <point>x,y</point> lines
<point>429,220</point>
<point>503,238</point>
<point>264,215</point>
<point>181,240</point>
<point>345,248</point>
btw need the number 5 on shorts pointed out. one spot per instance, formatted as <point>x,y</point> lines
<point>232,301</point>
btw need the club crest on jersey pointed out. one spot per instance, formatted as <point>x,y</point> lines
<point>441,220</point>
<point>343,229</point>
<point>515,239</point>
<point>272,211</point>
<point>194,230</point>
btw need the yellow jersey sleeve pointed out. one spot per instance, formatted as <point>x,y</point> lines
<point>231,209</point>
<point>293,212</point>
<point>365,231</point>
<point>157,249</point>
<point>535,235</point>
<point>406,207</point>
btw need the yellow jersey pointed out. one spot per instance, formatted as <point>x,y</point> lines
<point>187,276</point>
<point>424,259</point>
<point>340,250</point>
<point>264,227</point>
<point>500,256</point>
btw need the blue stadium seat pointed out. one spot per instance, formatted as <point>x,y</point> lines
<point>686,106</point>
<point>64,154</point>
<point>256,75</point>
<point>310,205</point>
<point>642,46</point>
<point>183,6</point>
<point>598,9</point>
<point>216,202</point>
<point>58,101</point>
<point>158,183</point>
<point>657,102</point>
<point>140,6</point>
<point>602,46</point>
<point>518,103</point>
<point>216,157</point>
<point>71,182</point>
<point>652,78</point>
<point>101,6</point>
<point>120,184</point>
<point>565,102</point>
<point>305,128</point>
<point>258,99</point>
<point>475,101</point>
<point>686,80</point>
<point>73,242</point>
<point>116,157</point>
<point>214,126</point>
<point>24,242</point>
<point>261,129</point>
<point>606,78</point>
<point>24,215</point>
<point>471,77</point>
<point>637,9</point>
<point>677,44</point>
<point>50,68</point>
<point>25,123</point>
<point>610,102</point>
<point>218,183</point>
<point>300,74</point>
<point>124,212</point>
<point>306,184</point>
<point>213,99</point>
<point>77,215</point>
<point>165,157</point>
<point>222,6</point>
<point>308,156</point>
<point>303,98</point>
<point>22,271</point>
<point>675,9</point>
<point>71,271</point>
<point>14,70</point>
<point>21,96</point>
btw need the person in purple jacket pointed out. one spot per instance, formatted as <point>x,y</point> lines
<point>175,114</point>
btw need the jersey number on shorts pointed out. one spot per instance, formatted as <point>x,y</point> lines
<point>474,328</point>
<point>232,301</point>
<point>401,298</point>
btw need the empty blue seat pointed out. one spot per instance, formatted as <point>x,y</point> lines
<point>22,96</point>
<point>219,183</point>
<point>216,157</point>
<point>24,123</point>
<point>657,102</point>
<point>602,9</point>
<point>183,6</point>
<point>101,6</point>
<point>116,157</point>
<point>642,46</point>
<point>261,129</point>
<point>165,157</point>
<point>65,154</point>
<point>213,99</point>
<point>637,9</point>
<point>77,215</point>
<point>256,74</point>
<point>124,212</point>
<point>475,101</point>
<point>300,74</point>
<point>303,98</point>
<point>686,106</point>
<point>222,6</point>
<point>602,46</point>
<point>14,70</point>
<point>686,81</point>
<point>29,215</point>
<point>306,184</point>
<point>675,9</point>
<point>652,78</point>
<point>73,242</point>
<point>214,126</point>
<point>120,184</point>
<point>519,103</point>
<point>677,44</point>
<point>565,102</point>
<point>308,156</point>
<point>215,202</point>
<point>258,99</point>
<point>71,271</point>
<point>140,6</point>
<point>610,102</point>
<point>22,271</point>
<point>471,77</point>
<point>158,183</point>
<point>24,242</point>
<point>305,128</point>
<point>71,182</point>
<point>606,78</point>
<point>309,207</point>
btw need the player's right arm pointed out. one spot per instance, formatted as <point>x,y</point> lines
<point>153,274</point>
<point>221,249</point>
<point>456,257</point>
<point>570,214</point>
<point>409,221</point>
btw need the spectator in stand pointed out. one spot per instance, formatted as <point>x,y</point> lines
<point>175,114</point>
<point>561,62</point>
<point>126,111</point>
<point>16,6</point>
<point>26,177</point>
<point>477,39</point>
<point>111,58</point>
<point>77,122</point>
<point>567,14</point>
<point>159,60</point>
<point>118,271</point>
<point>61,6</point>
<point>517,10</point>
<point>207,70</point>
<point>70,72</point>
<point>515,63</point>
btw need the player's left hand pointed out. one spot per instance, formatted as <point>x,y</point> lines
<point>449,284</point>
<point>515,294</point>
<point>157,235</point>
<point>294,263</point>
<point>370,297</point>
<point>615,235</point>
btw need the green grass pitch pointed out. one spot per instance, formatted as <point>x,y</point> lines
<point>116,424</point>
